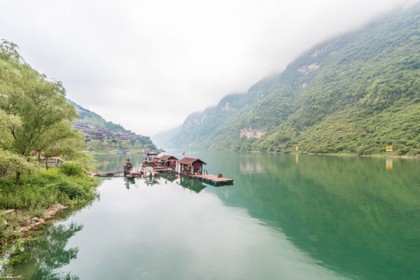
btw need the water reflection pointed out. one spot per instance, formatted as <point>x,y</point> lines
<point>186,182</point>
<point>171,177</point>
<point>389,163</point>
<point>128,182</point>
<point>148,181</point>
<point>287,217</point>
<point>165,178</point>
<point>47,253</point>
<point>172,232</point>
<point>350,214</point>
<point>250,166</point>
<point>191,184</point>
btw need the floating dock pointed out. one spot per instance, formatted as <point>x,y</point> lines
<point>214,179</point>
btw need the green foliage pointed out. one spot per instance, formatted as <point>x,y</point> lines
<point>11,163</point>
<point>73,191</point>
<point>35,123</point>
<point>8,125</point>
<point>71,169</point>
<point>89,117</point>
<point>40,104</point>
<point>39,191</point>
<point>36,118</point>
<point>353,94</point>
<point>47,187</point>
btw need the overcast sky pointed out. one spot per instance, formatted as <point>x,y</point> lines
<point>148,64</point>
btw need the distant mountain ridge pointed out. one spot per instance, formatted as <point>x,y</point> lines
<point>355,93</point>
<point>95,127</point>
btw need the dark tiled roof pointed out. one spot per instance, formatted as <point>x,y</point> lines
<point>167,157</point>
<point>189,161</point>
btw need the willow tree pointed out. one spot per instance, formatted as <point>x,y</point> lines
<point>10,162</point>
<point>63,141</point>
<point>38,103</point>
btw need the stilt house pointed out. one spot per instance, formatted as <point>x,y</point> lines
<point>190,166</point>
<point>169,161</point>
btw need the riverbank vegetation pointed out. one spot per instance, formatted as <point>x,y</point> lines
<point>36,127</point>
<point>27,202</point>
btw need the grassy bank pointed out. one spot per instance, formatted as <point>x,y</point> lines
<point>377,155</point>
<point>21,204</point>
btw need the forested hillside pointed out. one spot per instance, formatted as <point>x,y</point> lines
<point>88,117</point>
<point>355,93</point>
<point>102,135</point>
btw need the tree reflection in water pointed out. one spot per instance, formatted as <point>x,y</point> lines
<point>48,254</point>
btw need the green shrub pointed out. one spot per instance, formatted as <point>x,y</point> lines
<point>48,187</point>
<point>71,169</point>
<point>73,191</point>
<point>2,223</point>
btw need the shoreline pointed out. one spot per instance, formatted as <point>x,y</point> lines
<point>49,214</point>
<point>26,223</point>
<point>416,157</point>
<point>23,231</point>
<point>381,155</point>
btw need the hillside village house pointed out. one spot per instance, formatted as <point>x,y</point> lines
<point>190,166</point>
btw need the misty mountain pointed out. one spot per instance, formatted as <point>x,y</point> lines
<point>355,93</point>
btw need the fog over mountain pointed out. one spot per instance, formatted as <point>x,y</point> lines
<point>148,64</point>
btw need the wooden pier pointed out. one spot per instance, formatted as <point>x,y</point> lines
<point>110,174</point>
<point>216,180</point>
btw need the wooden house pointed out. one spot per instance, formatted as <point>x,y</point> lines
<point>190,166</point>
<point>168,161</point>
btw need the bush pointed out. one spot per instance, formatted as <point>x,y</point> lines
<point>48,187</point>
<point>74,191</point>
<point>71,169</point>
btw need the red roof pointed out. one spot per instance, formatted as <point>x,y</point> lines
<point>189,161</point>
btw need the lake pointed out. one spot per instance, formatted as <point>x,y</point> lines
<point>285,217</point>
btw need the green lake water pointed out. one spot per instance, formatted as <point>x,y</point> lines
<point>285,217</point>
